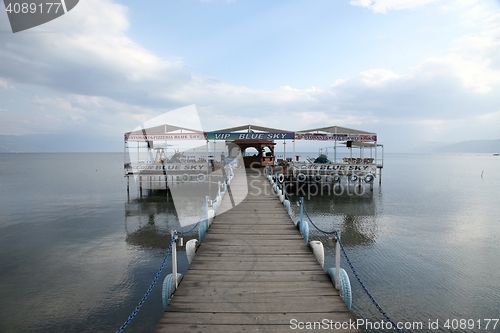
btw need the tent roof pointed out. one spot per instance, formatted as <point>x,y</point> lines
<point>251,128</point>
<point>161,129</point>
<point>336,130</point>
<point>165,128</point>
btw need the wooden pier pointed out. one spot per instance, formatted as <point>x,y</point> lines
<point>254,273</point>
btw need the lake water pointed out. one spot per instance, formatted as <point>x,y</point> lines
<point>77,253</point>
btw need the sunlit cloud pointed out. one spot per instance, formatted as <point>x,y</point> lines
<point>383,6</point>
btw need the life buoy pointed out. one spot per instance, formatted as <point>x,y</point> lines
<point>201,177</point>
<point>301,178</point>
<point>185,177</point>
<point>318,178</point>
<point>336,178</point>
<point>354,177</point>
<point>369,178</point>
<point>281,178</point>
<point>344,285</point>
<point>168,288</point>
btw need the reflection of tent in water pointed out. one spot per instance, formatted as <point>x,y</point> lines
<point>149,236</point>
<point>355,217</point>
<point>149,220</point>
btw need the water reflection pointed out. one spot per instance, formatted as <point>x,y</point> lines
<point>354,215</point>
<point>151,217</point>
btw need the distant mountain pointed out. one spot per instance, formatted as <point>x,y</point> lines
<point>398,145</point>
<point>34,143</point>
<point>472,146</point>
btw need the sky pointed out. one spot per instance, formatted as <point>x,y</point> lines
<point>413,71</point>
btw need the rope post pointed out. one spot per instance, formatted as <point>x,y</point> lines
<point>301,200</point>
<point>337,262</point>
<point>174,259</point>
<point>207,198</point>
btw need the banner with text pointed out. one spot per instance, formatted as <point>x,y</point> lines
<point>165,137</point>
<point>313,167</point>
<point>231,136</point>
<point>335,137</point>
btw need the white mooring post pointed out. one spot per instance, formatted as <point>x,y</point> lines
<point>174,261</point>
<point>337,262</point>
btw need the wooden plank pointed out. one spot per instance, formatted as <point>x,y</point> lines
<point>256,242</point>
<point>306,303</point>
<point>182,328</point>
<point>249,266</point>
<point>270,258</point>
<point>241,249</point>
<point>272,306</point>
<point>235,291</point>
<point>245,276</point>
<point>252,318</point>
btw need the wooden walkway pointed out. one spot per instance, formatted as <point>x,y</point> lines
<point>253,273</point>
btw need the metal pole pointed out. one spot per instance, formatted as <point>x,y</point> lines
<point>337,262</point>
<point>206,210</point>
<point>294,153</point>
<point>284,150</point>
<point>209,174</point>
<point>335,151</point>
<point>301,200</point>
<point>174,260</point>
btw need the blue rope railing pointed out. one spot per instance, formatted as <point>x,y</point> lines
<point>375,303</point>
<point>148,292</point>
<point>155,279</point>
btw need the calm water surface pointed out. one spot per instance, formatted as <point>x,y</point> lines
<point>77,253</point>
<point>427,242</point>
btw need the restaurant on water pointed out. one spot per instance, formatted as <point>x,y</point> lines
<point>155,158</point>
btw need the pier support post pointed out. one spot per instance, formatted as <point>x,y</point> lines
<point>140,185</point>
<point>337,262</point>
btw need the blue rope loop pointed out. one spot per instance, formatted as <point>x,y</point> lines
<point>335,233</point>
<point>190,230</point>
<point>148,292</point>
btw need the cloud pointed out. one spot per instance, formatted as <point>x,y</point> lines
<point>383,6</point>
<point>4,84</point>
<point>90,54</point>
<point>377,77</point>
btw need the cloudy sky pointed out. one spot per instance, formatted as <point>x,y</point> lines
<point>411,70</point>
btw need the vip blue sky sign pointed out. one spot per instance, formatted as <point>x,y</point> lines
<point>26,14</point>
<point>231,136</point>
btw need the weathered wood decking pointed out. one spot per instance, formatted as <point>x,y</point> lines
<point>253,272</point>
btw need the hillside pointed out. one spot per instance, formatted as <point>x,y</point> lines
<point>473,146</point>
<point>34,143</point>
